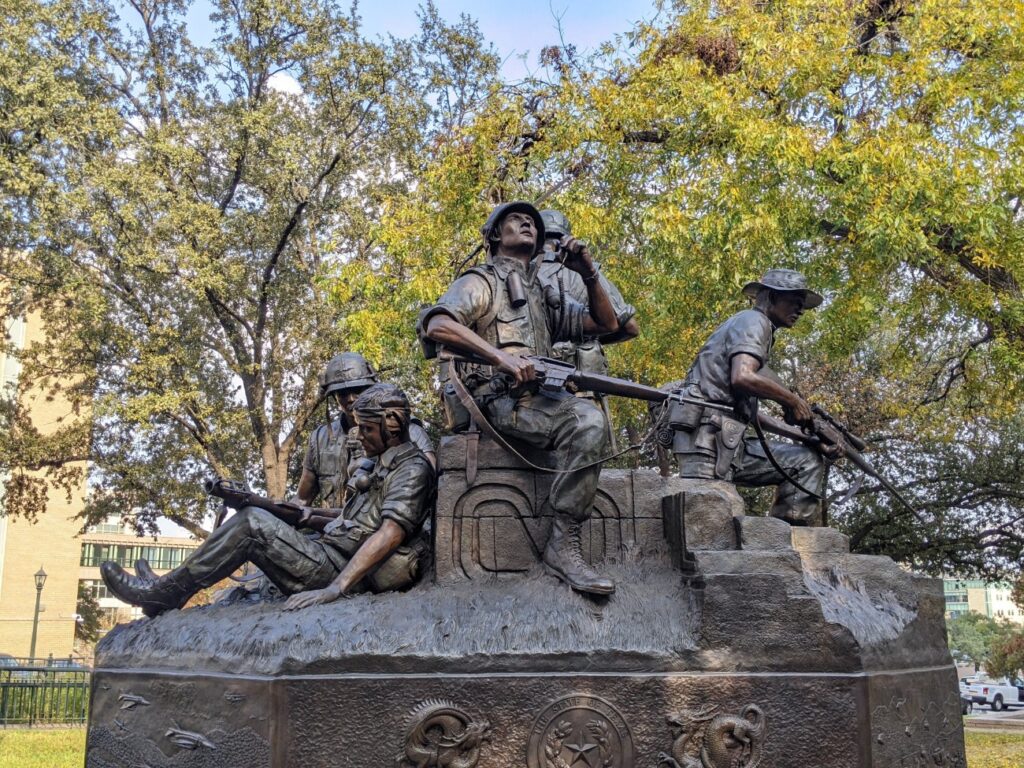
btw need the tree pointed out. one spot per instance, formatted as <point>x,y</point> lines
<point>182,242</point>
<point>972,637</point>
<point>873,145</point>
<point>90,615</point>
<point>1007,656</point>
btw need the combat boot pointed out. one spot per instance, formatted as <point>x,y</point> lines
<point>168,592</point>
<point>144,572</point>
<point>563,557</point>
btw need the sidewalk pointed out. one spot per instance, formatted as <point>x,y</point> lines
<point>987,720</point>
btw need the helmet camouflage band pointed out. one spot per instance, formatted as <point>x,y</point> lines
<point>349,370</point>
<point>500,212</point>
<point>387,404</point>
<point>556,224</point>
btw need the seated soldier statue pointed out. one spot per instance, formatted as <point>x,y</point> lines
<point>334,449</point>
<point>731,375</point>
<point>387,509</point>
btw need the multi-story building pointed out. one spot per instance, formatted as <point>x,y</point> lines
<point>111,541</point>
<point>55,542</point>
<point>992,600</point>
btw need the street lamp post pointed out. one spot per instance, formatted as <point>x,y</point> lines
<point>40,577</point>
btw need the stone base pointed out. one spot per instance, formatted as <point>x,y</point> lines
<point>731,642</point>
<point>821,659</point>
<point>623,720</point>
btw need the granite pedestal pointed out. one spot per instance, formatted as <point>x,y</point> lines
<point>731,641</point>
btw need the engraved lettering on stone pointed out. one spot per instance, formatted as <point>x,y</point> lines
<point>130,701</point>
<point>440,735</point>
<point>188,739</point>
<point>580,732</point>
<point>704,739</point>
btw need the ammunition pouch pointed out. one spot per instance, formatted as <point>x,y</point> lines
<point>684,416</point>
<point>713,444</point>
<point>456,415</point>
<point>402,568</point>
<point>590,358</point>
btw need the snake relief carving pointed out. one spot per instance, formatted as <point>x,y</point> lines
<point>702,738</point>
<point>442,736</point>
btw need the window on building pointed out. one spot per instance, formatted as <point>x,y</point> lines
<point>159,557</point>
<point>98,588</point>
<point>111,525</point>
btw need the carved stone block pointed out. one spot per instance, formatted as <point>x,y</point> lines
<point>498,524</point>
<point>759,533</point>
<point>811,540</point>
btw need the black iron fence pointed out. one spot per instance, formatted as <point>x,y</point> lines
<point>43,691</point>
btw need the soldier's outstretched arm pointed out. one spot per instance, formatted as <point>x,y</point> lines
<point>746,379</point>
<point>446,331</point>
<point>374,551</point>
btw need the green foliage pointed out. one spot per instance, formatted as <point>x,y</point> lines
<point>182,232</point>
<point>972,636</point>
<point>201,242</point>
<point>90,615</point>
<point>1007,656</point>
<point>876,149</point>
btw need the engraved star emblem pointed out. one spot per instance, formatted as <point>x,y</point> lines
<point>579,752</point>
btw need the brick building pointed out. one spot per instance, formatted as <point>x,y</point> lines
<point>56,543</point>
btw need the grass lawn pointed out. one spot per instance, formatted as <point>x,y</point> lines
<point>66,748</point>
<point>995,750</point>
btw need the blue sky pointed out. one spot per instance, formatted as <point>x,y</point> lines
<point>515,28</point>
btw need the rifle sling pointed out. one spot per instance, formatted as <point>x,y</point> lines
<point>775,462</point>
<point>485,426</point>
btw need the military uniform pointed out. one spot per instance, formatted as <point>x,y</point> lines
<point>573,428</point>
<point>587,355</point>
<point>713,444</point>
<point>333,450</point>
<point>400,487</point>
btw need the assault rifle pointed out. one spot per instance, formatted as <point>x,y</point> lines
<point>552,375</point>
<point>831,431</point>
<point>237,495</point>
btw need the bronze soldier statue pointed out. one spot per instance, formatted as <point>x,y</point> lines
<point>334,447</point>
<point>360,549</point>
<point>588,355</point>
<point>731,375</point>
<point>497,313</point>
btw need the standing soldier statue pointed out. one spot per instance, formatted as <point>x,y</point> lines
<point>588,355</point>
<point>497,313</point>
<point>731,375</point>
<point>357,548</point>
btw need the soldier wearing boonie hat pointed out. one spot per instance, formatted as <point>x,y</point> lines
<point>731,371</point>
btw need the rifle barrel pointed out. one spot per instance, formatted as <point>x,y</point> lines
<point>609,385</point>
<point>857,459</point>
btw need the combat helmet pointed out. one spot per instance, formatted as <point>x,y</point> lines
<point>387,404</point>
<point>349,370</point>
<point>556,224</point>
<point>500,211</point>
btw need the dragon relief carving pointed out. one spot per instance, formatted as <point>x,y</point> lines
<point>442,736</point>
<point>704,739</point>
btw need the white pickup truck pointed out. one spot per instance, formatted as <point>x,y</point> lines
<point>998,694</point>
